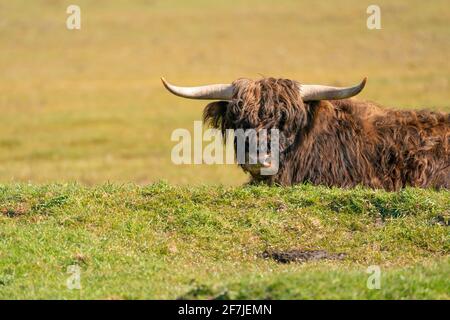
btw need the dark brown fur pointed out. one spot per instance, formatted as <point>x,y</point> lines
<point>340,143</point>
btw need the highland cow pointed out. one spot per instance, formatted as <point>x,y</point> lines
<point>330,139</point>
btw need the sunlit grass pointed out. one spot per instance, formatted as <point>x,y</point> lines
<point>162,241</point>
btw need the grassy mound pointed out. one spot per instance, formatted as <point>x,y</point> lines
<point>161,241</point>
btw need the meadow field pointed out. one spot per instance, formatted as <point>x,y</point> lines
<point>88,105</point>
<point>85,143</point>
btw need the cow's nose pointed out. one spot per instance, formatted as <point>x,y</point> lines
<point>261,159</point>
<point>265,160</point>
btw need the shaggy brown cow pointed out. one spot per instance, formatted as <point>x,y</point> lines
<point>329,139</point>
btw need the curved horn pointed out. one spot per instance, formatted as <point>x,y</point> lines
<point>209,92</point>
<point>318,92</point>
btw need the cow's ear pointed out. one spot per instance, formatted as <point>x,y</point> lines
<point>318,111</point>
<point>214,113</point>
<point>324,104</point>
<point>306,112</point>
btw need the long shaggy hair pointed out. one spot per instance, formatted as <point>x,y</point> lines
<point>340,143</point>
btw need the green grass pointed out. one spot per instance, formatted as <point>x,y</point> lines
<point>164,241</point>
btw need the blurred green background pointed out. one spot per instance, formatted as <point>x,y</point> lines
<point>88,105</point>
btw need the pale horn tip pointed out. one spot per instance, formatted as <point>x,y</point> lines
<point>208,92</point>
<point>165,83</point>
<point>171,88</point>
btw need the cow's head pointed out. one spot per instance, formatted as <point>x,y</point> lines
<point>267,104</point>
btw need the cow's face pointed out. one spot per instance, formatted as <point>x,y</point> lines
<point>262,106</point>
<point>270,114</point>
